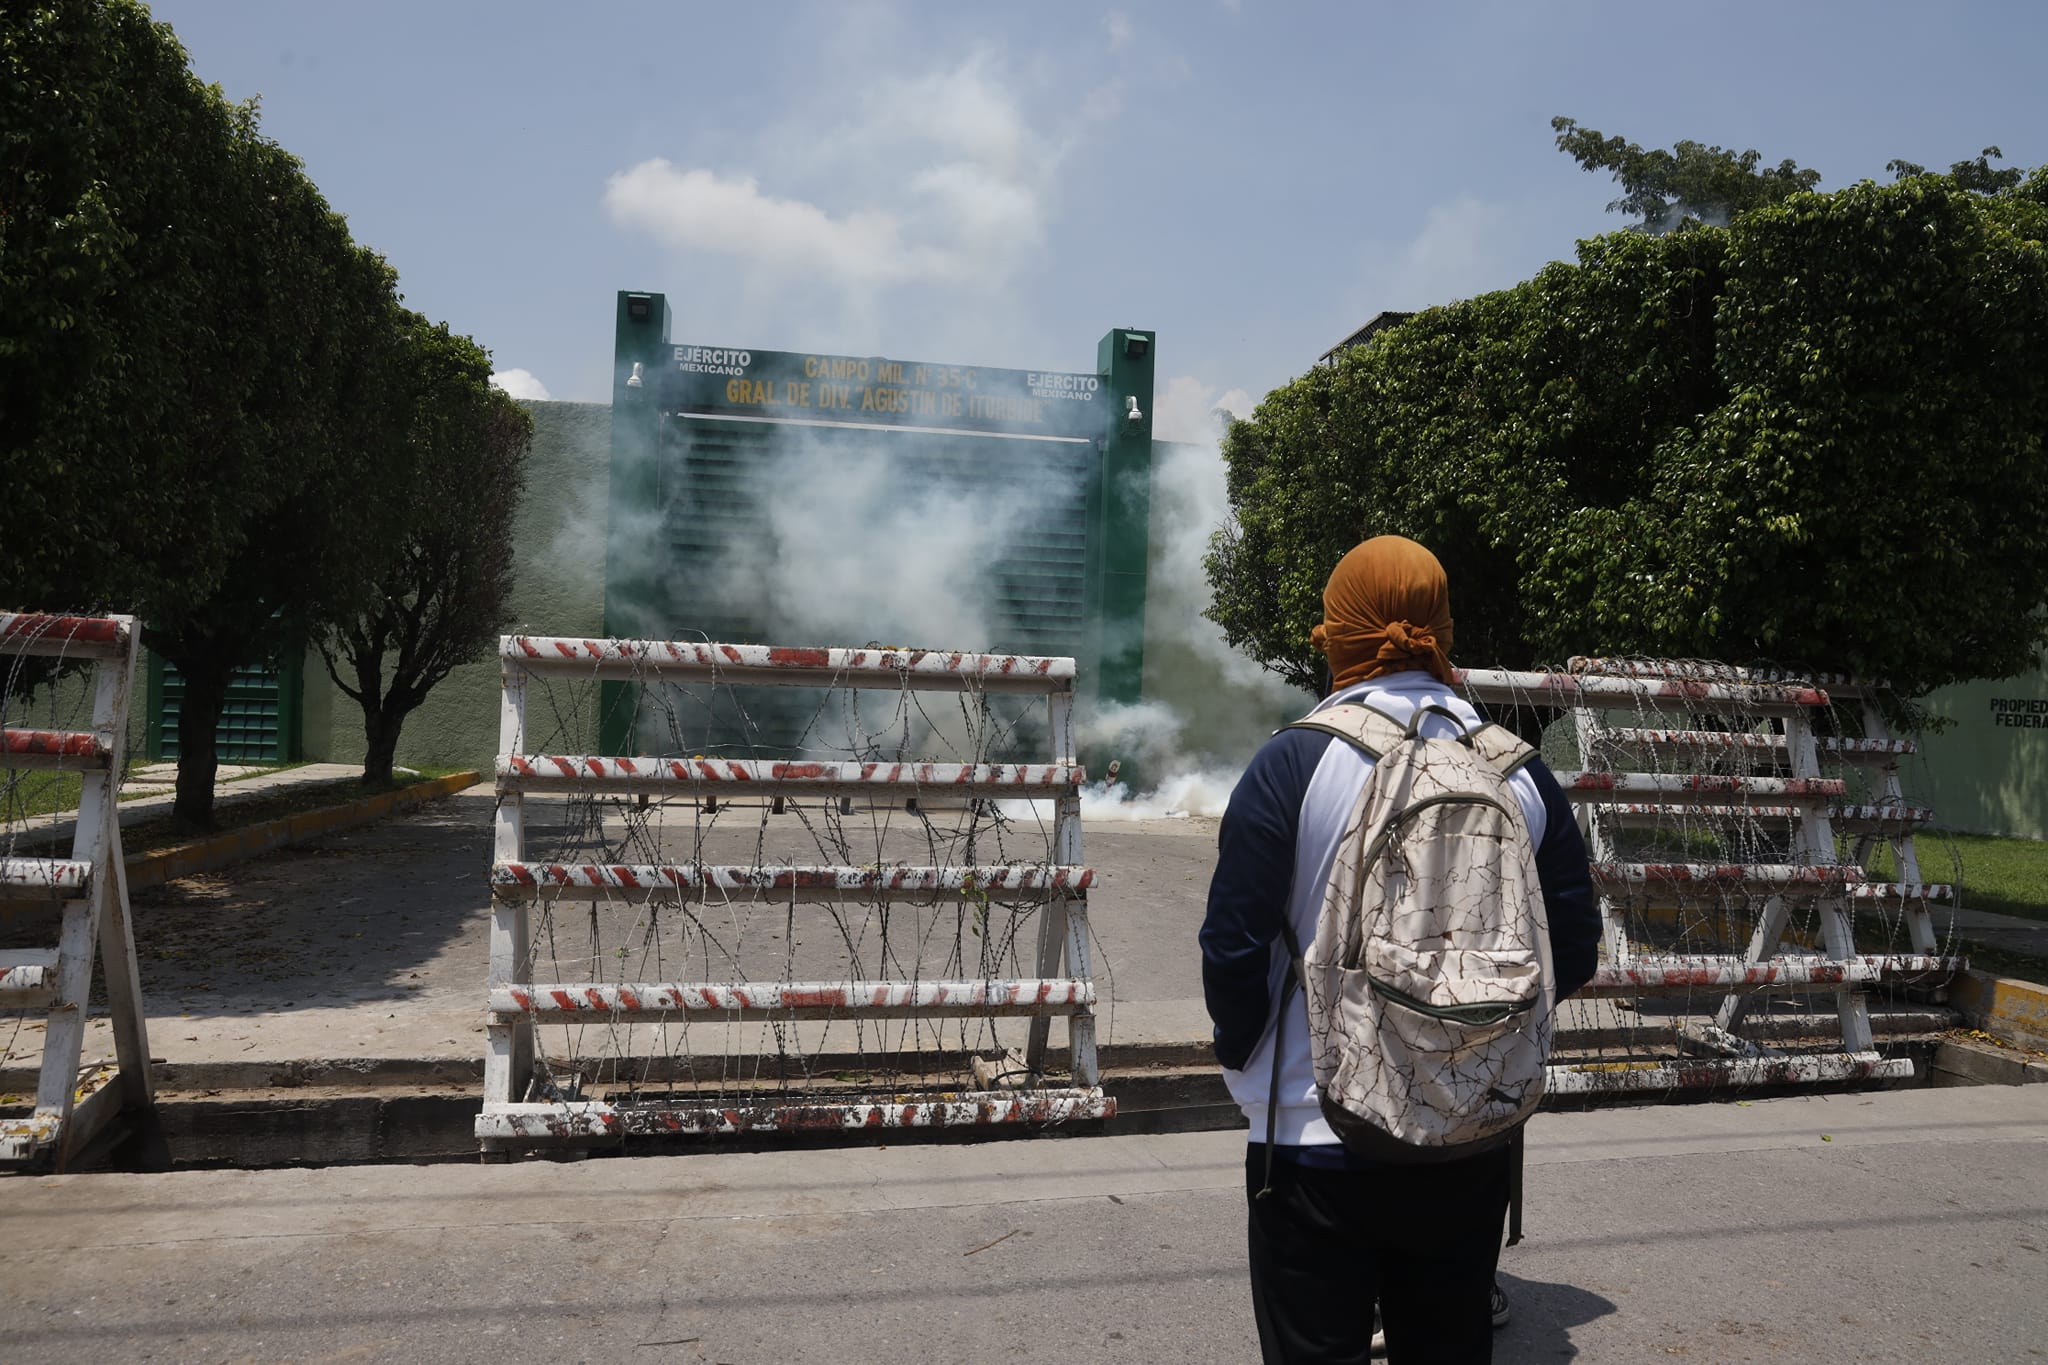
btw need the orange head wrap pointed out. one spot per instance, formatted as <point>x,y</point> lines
<point>1386,608</point>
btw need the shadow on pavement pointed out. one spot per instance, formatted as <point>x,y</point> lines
<point>362,915</point>
<point>1544,1315</point>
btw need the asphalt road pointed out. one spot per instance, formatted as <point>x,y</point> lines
<point>1897,1227</point>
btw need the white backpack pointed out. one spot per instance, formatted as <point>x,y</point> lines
<point>1429,983</point>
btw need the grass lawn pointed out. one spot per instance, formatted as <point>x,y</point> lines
<point>157,832</point>
<point>2004,876</point>
<point>34,792</point>
<point>2008,876</point>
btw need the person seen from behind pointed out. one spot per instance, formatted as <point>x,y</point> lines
<point>1331,1230</point>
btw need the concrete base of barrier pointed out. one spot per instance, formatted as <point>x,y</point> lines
<point>327,1113</point>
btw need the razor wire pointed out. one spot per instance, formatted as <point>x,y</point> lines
<point>1760,869</point>
<point>788,904</point>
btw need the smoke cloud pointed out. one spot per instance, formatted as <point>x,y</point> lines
<point>1207,706</point>
<point>860,545</point>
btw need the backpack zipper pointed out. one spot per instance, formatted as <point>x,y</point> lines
<point>1478,1015</point>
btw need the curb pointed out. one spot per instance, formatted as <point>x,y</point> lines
<point>1984,1061</point>
<point>2016,1011</point>
<point>204,855</point>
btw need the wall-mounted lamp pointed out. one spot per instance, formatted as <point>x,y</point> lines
<point>639,307</point>
<point>1131,413</point>
<point>1136,347</point>
<point>633,380</point>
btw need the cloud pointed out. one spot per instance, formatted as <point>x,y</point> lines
<point>520,384</point>
<point>1465,247</point>
<point>1118,25</point>
<point>941,178</point>
<point>1188,410</point>
<point>701,210</point>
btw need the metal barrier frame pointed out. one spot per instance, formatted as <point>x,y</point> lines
<point>1608,801</point>
<point>1063,987</point>
<point>73,1105</point>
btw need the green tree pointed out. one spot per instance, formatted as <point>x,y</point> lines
<point>192,351</point>
<point>444,592</point>
<point>1978,174</point>
<point>1813,438</point>
<point>294,356</point>
<point>1692,182</point>
<point>111,156</point>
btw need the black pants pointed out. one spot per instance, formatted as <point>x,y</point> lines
<point>1421,1239</point>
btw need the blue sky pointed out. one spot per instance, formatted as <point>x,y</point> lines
<point>1000,184</point>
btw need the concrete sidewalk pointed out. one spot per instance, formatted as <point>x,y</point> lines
<point>370,945</point>
<point>1897,1227</point>
<point>149,791</point>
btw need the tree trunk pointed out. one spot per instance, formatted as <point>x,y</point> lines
<point>206,694</point>
<point>380,730</point>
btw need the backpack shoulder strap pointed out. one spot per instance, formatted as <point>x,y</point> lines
<point>1363,727</point>
<point>1500,747</point>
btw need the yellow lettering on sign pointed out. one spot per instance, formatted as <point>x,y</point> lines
<point>836,367</point>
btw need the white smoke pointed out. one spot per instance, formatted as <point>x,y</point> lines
<point>1187,410</point>
<point>1208,707</point>
<point>858,546</point>
<point>1149,738</point>
<point>1680,212</point>
<point>520,384</point>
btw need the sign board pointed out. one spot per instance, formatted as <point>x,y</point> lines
<point>798,386</point>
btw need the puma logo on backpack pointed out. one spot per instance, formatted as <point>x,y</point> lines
<point>1429,984</point>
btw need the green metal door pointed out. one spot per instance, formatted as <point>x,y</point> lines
<point>259,722</point>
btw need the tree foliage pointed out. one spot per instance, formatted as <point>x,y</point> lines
<point>196,364</point>
<point>1976,174</point>
<point>444,588</point>
<point>1814,437</point>
<point>1691,182</point>
<point>99,231</point>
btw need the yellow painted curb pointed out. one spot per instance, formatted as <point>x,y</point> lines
<point>203,855</point>
<point>2001,1005</point>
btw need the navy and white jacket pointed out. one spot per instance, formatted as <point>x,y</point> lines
<point>1279,839</point>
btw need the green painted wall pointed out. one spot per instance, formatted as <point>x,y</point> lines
<point>1988,772</point>
<point>560,533</point>
<point>67,702</point>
